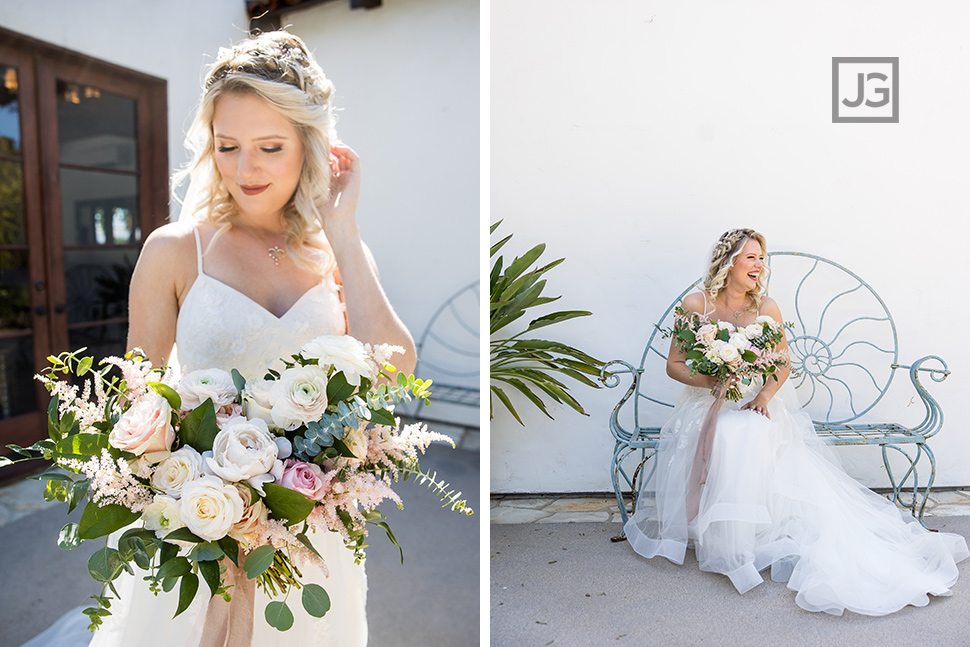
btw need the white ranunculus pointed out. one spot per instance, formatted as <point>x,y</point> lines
<point>345,354</point>
<point>725,325</point>
<point>259,403</point>
<point>210,507</point>
<point>178,469</point>
<point>244,450</point>
<point>739,341</point>
<point>207,384</point>
<point>299,396</point>
<point>162,515</point>
<point>754,330</point>
<point>765,319</point>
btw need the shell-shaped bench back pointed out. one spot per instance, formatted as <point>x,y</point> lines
<point>843,343</point>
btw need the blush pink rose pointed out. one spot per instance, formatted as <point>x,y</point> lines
<point>305,478</point>
<point>145,428</point>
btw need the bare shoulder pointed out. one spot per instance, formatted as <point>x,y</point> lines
<point>694,302</point>
<point>770,307</point>
<point>168,255</point>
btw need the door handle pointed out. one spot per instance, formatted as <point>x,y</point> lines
<point>41,310</point>
<point>60,308</point>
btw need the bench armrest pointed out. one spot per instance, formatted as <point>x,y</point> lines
<point>933,421</point>
<point>610,377</point>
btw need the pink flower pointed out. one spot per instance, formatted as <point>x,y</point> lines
<point>145,428</point>
<point>305,478</point>
<point>227,413</point>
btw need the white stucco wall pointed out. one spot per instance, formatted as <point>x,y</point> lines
<point>629,135</point>
<point>408,98</point>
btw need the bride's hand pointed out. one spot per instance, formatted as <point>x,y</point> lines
<point>344,187</point>
<point>758,405</point>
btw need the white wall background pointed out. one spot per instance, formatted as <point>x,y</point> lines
<point>629,135</point>
<point>408,98</point>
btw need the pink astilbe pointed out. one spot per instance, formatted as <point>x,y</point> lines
<point>361,491</point>
<point>274,532</point>
<point>111,481</point>
<point>135,374</point>
<point>388,445</point>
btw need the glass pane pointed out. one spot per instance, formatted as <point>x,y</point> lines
<point>100,341</point>
<point>11,202</point>
<point>14,291</point>
<point>9,111</point>
<point>95,128</point>
<point>97,284</point>
<point>17,394</point>
<point>99,208</point>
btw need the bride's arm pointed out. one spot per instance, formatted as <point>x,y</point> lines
<point>370,317</point>
<point>760,403</point>
<point>153,296</point>
<point>677,360</point>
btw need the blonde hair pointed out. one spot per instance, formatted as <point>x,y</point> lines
<point>277,68</point>
<point>726,252</point>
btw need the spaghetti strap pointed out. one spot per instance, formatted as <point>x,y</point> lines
<point>198,247</point>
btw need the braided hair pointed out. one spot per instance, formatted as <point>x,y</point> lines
<point>725,253</point>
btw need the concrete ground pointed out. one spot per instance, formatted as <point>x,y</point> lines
<point>567,584</point>
<point>432,599</point>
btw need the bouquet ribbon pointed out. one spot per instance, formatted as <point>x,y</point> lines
<point>702,457</point>
<point>230,624</point>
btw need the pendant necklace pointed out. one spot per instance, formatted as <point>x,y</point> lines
<point>275,252</point>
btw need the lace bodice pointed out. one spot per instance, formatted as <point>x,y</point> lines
<point>220,327</point>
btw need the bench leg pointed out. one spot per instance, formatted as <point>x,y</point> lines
<point>918,504</point>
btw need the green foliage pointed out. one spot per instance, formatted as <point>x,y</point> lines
<point>199,427</point>
<point>287,504</point>
<point>533,367</point>
<point>316,601</point>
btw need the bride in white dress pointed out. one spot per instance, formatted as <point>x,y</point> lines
<point>268,258</point>
<point>773,496</point>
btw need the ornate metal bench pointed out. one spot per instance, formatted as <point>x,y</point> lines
<point>448,352</point>
<point>845,352</point>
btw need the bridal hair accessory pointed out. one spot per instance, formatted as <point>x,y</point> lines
<point>220,480</point>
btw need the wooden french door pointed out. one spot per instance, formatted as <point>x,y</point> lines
<point>83,179</point>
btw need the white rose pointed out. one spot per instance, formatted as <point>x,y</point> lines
<point>244,450</point>
<point>724,325</point>
<point>178,469</point>
<point>754,330</point>
<point>729,354</point>
<point>765,319</point>
<point>345,354</point>
<point>299,396</point>
<point>739,341</point>
<point>210,507</point>
<point>208,384</point>
<point>254,515</point>
<point>162,515</point>
<point>258,402</point>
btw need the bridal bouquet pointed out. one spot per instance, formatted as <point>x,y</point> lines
<point>721,349</point>
<point>216,469</point>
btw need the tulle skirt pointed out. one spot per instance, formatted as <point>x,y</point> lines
<point>775,497</point>
<point>140,618</point>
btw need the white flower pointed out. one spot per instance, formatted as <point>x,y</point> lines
<point>208,384</point>
<point>258,402</point>
<point>739,341</point>
<point>729,354</point>
<point>244,450</point>
<point>178,469</point>
<point>765,319</point>
<point>162,515</point>
<point>356,442</point>
<point>345,354</point>
<point>210,507</point>
<point>725,325</point>
<point>754,330</point>
<point>299,396</point>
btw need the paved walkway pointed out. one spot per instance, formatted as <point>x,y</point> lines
<point>517,508</point>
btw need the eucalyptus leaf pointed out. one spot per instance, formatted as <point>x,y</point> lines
<point>103,565</point>
<point>278,615</point>
<point>68,538</point>
<point>316,601</point>
<point>258,561</point>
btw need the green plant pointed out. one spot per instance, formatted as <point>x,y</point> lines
<point>531,366</point>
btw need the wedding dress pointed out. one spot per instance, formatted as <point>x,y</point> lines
<point>776,497</point>
<point>220,327</point>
